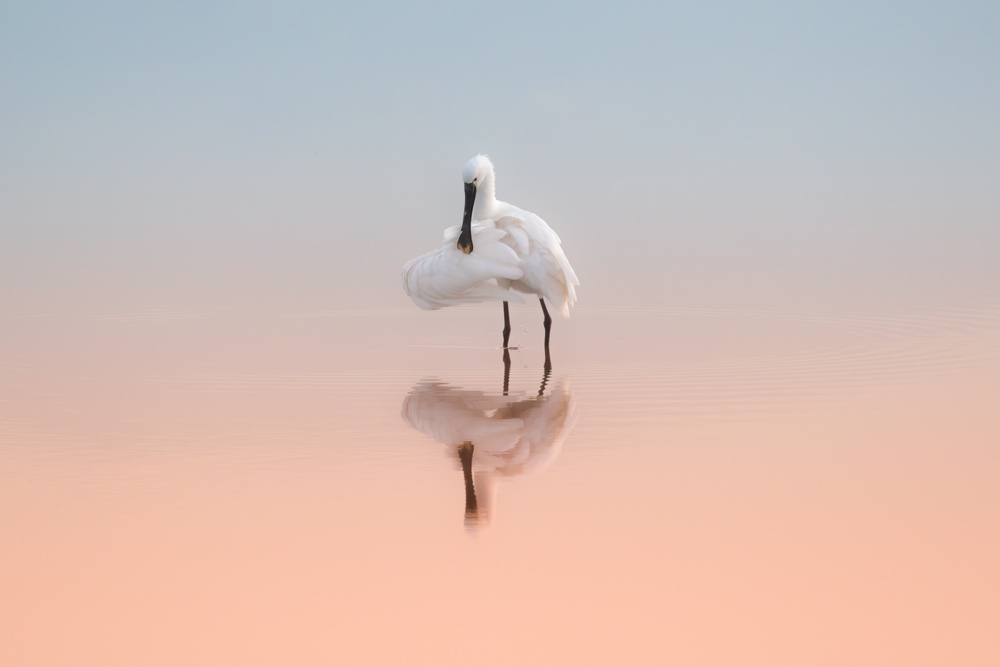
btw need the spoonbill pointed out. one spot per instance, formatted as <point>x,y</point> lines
<point>497,251</point>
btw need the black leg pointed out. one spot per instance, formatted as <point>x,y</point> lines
<point>506,371</point>
<point>506,324</point>
<point>548,328</point>
<point>545,376</point>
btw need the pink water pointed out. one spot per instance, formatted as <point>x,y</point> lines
<point>709,486</point>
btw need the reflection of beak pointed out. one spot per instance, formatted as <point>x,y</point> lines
<point>465,238</point>
<point>465,454</point>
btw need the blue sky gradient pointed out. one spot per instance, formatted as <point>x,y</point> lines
<point>684,151</point>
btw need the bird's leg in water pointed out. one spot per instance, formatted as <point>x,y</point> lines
<point>545,378</point>
<point>465,454</point>
<point>506,371</point>
<point>506,324</point>
<point>548,328</point>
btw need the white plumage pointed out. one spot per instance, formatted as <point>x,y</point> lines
<point>447,276</point>
<point>498,250</point>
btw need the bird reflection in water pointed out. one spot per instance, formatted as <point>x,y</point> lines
<point>492,435</point>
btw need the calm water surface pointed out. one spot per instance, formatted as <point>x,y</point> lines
<point>691,486</point>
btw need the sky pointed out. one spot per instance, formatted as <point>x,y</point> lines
<point>156,154</point>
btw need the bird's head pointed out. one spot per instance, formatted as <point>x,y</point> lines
<point>476,170</point>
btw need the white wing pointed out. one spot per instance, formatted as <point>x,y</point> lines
<point>449,277</point>
<point>546,270</point>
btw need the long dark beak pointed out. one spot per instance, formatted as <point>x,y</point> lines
<point>465,238</point>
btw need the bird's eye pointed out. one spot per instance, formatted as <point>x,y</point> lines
<point>475,179</point>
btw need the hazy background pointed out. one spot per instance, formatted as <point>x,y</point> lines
<point>178,154</point>
<point>789,458</point>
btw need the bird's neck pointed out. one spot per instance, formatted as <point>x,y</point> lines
<point>486,199</point>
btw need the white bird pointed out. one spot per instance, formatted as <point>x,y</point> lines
<point>497,248</point>
<point>493,436</point>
